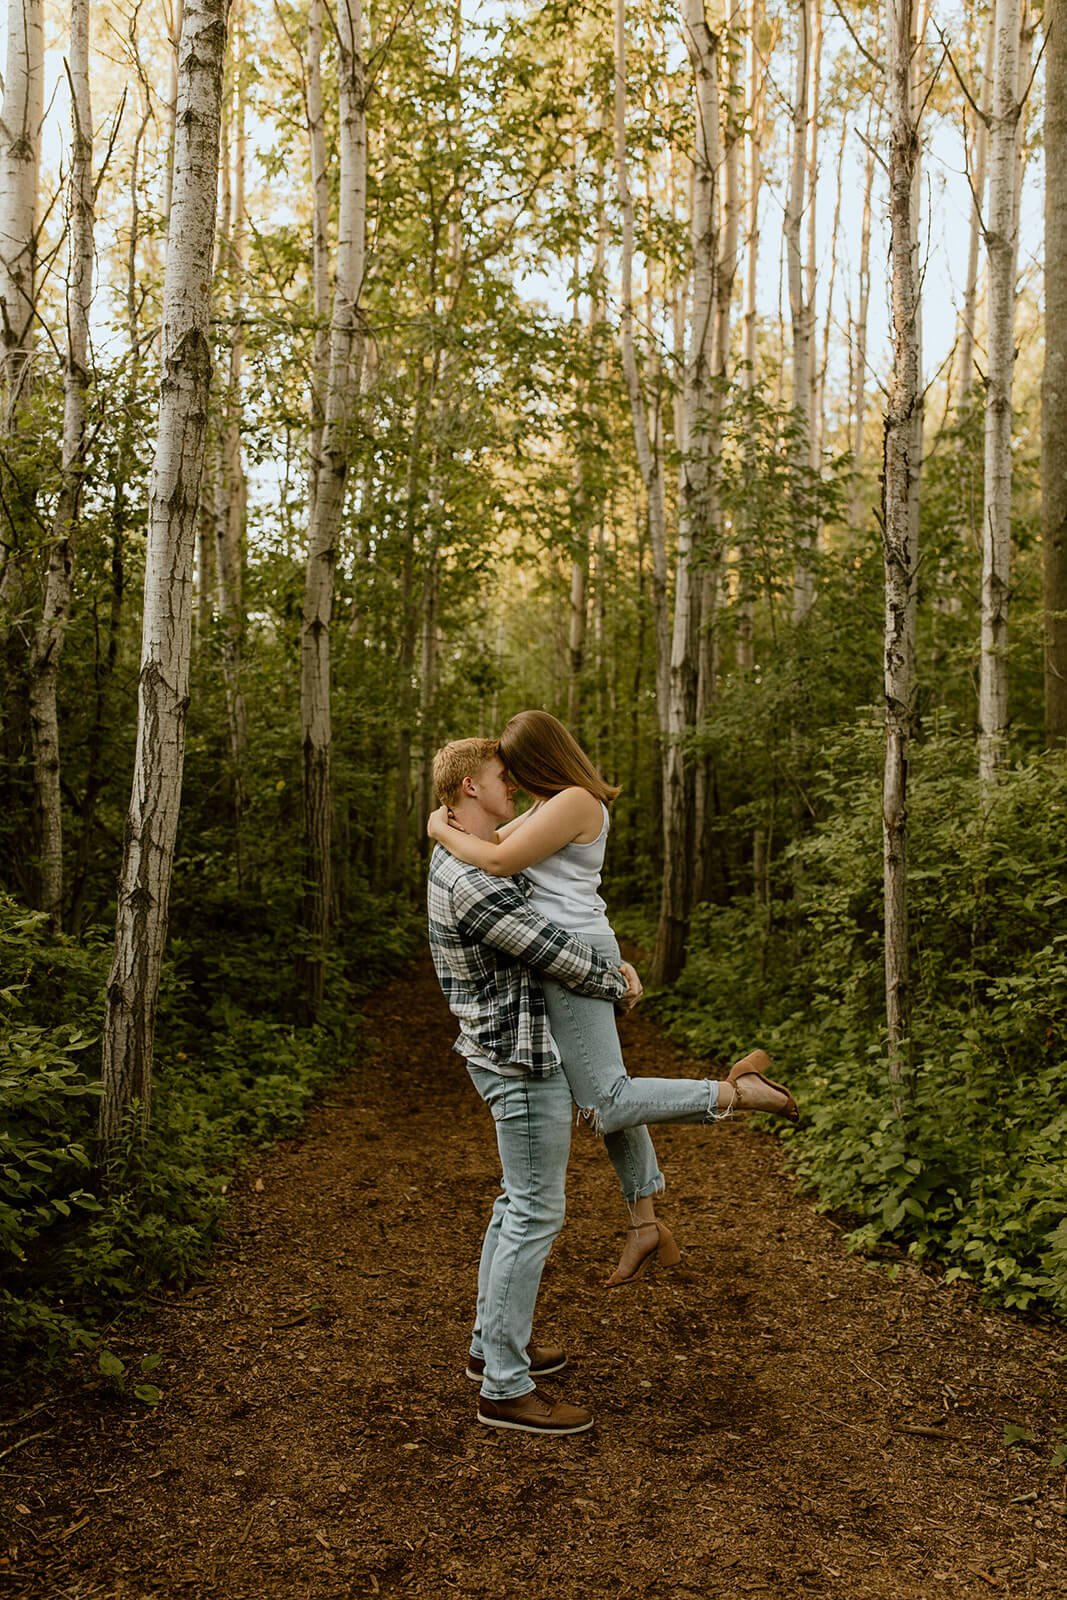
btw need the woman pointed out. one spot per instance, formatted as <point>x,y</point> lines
<point>559,847</point>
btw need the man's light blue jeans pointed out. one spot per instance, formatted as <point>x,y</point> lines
<point>533,1135</point>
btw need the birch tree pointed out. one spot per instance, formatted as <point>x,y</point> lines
<point>174,500</point>
<point>1054,386</point>
<point>20,153</point>
<point>695,492</point>
<point>801,308</point>
<point>173,21</point>
<point>965,359</point>
<point>755,89</point>
<point>648,458</point>
<point>898,525</point>
<point>727,230</point>
<point>231,493</point>
<point>1001,231</point>
<point>858,342</point>
<point>329,475</point>
<point>49,633</point>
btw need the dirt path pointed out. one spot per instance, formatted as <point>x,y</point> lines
<point>774,1419</point>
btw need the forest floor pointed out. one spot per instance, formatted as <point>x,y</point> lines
<point>775,1418</point>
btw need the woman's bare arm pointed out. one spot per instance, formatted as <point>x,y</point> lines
<point>572,816</point>
<point>516,822</point>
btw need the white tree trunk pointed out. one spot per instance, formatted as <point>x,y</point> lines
<point>1001,230</point>
<point>174,21</point>
<point>342,391</point>
<point>899,537</point>
<point>1054,380</point>
<point>819,401</point>
<point>965,361</point>
<point>231,503</point>
<point>320,241</point>
<point>50,631</point>
<point>918,92</point>
<point>811,254</point>
<point>174,500</point>
<point>694,512</point>
<point>858,352</point>
<point>648,459</point>
<point>20,151</point>
<point>801,312</point>
<point>728,232</point>
<point>755,75</point>
<point>20,142</point>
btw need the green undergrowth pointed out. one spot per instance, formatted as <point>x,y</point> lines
<point>229,1076</point>
<point>963,1163</point>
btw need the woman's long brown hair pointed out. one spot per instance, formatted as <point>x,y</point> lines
<point>544,757</point>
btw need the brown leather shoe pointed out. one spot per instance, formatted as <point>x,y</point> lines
<point>544,1359</point>
<point>535,1412</point>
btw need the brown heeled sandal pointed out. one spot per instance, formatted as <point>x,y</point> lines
<point>752,1066</point>
<point>663,1247</point>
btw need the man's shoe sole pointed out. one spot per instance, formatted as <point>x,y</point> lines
<point>532,1427</point>
<point>535,1372</point>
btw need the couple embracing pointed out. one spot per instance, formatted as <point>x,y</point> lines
<point>532,972</point>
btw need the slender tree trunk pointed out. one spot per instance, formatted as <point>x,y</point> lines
<point>1000,237</point>
<point>694,530</point>
<point>20,152</point>
<point>755,74</point>
<point>320,242</point>
<point>648,459</point>
<point>580,521</point>
<point>800,310</point>
<point>811,253</point>
<point>819,403</point>
<point>342,391</point>
<point>918,91</point>
<point>446,311</point>
<point>711,580</point>
<point>965,364</point>
<point>859,329</point>
<point>576,628</point>
<point>175,21</point>
<point>428,666</point>
<point>107,654</point>
<point>899,537</point>
<point>152,822</point>
<point>49,635</point>
<point>232,493</point>
<point>407,635</point>
<point>1054,386</point>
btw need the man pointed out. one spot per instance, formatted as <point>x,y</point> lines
<point>488,947</point>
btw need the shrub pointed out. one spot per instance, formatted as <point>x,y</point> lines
<point>71,1252</point>
<point>964,1163</point>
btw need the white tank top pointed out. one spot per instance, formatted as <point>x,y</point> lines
<point>564,886</point>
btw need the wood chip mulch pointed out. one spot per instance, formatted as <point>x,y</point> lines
<point>776,1418</point>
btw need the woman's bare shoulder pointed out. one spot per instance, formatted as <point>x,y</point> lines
<point>580,807</point>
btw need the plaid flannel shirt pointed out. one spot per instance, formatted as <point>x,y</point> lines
<point>488,947</point>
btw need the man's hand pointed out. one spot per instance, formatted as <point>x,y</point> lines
<point>634,987</point>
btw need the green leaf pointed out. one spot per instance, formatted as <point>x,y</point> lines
<point>1015,1433</point>
<point>148,1393</point>
<point>110,1364</point>
<point>150,1362</point>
